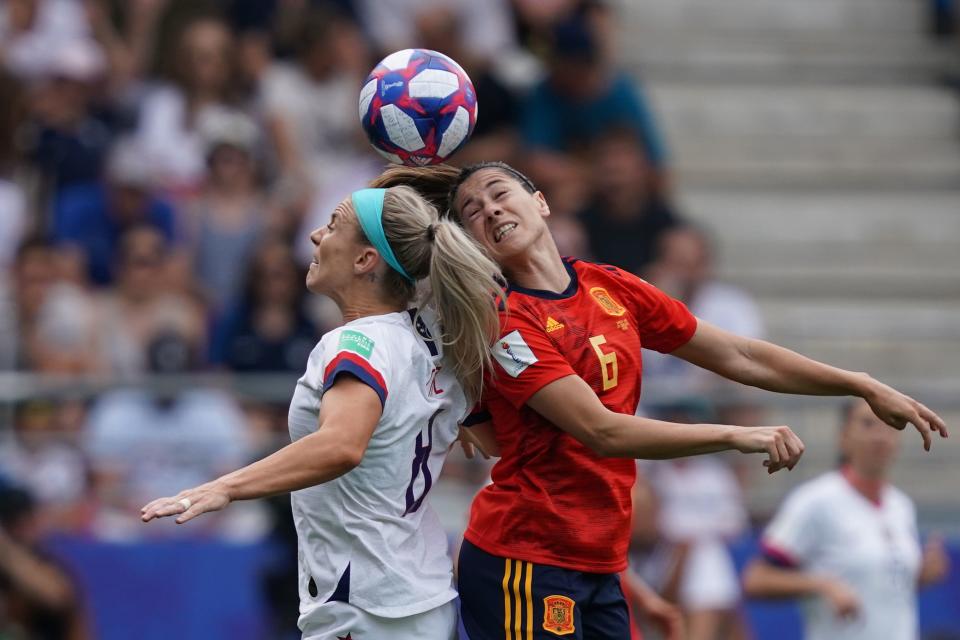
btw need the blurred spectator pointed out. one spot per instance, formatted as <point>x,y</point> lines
<point>204,84</point>
<point>49,324</point>
<point>32,32</point>
<point>582,94</point>
<point>847,543</point>
<point>93,217</point>
<point>393,24</point>
<point>625,217</point>
<point>699,509</point>
<point>143,445</point>
<point>142,306</point>
<point>13,199</point>
<point>270,330</point>
<point>225,222</point>
<point>684,268</point>
<point>38,597</point>
<point>495,135</point>
<point>65,139</point>
<point>41,456</point>
<point>310,102</point>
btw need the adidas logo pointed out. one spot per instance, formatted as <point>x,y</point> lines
<point>553,325</point>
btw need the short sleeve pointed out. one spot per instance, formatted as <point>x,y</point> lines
<point>664,323</point>
<point>526,359</point>
<point>353,352</point>
<point>792,536</point>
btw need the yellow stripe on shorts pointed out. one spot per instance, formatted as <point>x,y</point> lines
<point>508,632</point>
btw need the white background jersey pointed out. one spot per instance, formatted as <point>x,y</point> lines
<point>827,527</point>
<point>370,537</point>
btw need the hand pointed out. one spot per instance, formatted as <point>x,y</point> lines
<point>782,446</point>
<point>470,444</point>
<point>897,409</point>
<point>664,615</point>
<point>843,601</point>
<point>936,563</point>
<point>187,504</point>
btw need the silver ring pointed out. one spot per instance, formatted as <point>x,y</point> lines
<point>185,502</point>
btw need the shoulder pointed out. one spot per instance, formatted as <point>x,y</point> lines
<point>901,501</point>
<point>814,493</point>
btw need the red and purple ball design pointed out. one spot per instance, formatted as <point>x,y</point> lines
<point>418,107</point>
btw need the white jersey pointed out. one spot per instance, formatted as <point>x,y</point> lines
<point>369,537</point>
<point>827,527</point>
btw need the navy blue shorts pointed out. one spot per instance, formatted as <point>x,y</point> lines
<point>504,599</point>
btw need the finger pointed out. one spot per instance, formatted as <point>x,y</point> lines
<point>936,422</point>
<point>796,448</point>
<point>924,428</point>
<point>784,450</point>
<point>201,506</point>
<point>469,450</point>
<point>773,457</point>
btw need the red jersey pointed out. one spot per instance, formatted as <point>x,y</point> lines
<point>553,500</point>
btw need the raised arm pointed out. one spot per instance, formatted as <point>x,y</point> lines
<point>767,366</point>
<point>572,405</point>
<point>348,416</point>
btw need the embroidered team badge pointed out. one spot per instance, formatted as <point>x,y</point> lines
<point>606,302</point>
<point>553,325</point>
<point>558,615</point>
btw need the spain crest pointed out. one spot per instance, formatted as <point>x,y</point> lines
<point>558,615</point>
<point>606,301</point>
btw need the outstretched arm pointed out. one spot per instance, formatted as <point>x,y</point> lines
<point>348,416</point>
<point>761,364</point>
<point>571,405</point>
<point>766,581</point>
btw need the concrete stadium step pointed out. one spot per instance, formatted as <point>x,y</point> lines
<point>843,113</point>
<point>833,244</point>
<point>711,58</point>
<point>839,16</point>
<point>802,216</point>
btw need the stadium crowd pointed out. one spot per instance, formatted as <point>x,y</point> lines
<point>161,165</point>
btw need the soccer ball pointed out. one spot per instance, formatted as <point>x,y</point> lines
<point>418,107</point>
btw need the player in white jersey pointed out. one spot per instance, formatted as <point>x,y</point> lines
<point>387,399</point>
<point>847,544</point>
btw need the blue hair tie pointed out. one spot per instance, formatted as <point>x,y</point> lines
<point>368,203</point>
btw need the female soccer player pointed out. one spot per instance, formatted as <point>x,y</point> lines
<point>387,398</point>
<point>847,543</point>
<point>548,537</point>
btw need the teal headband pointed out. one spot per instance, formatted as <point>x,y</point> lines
<point>368,203</point>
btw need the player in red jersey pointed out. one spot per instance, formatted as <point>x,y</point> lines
<point>549,535</point>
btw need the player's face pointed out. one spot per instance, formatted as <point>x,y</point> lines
<point>501,215</point>
<point>335,246</point>
<point>869,444</point>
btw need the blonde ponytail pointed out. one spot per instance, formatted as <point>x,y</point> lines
<point>465,285</point>
<point>465,290</point>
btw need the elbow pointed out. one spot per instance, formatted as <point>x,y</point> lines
<point>753,582</point>
<point>602,440</point>
<point>348,457</point>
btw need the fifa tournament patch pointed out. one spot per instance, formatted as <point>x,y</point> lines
<point>558,615</point>
<point>513,353</point>
<point>553,325</point>
<point>355,341</point>
<point>606,302</point>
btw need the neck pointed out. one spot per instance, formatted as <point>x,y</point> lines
<point>870,485</point>
<point>541,268</point>
<point>362,303</point>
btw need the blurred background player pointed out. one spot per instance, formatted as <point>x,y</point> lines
<point>378,395</point>
<point>846,543</point>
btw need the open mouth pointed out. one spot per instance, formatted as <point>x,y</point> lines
<point>503,231</point>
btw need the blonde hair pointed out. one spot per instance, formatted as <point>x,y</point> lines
<point>465,285</point>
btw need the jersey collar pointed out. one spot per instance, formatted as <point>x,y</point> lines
<point>569,292</point>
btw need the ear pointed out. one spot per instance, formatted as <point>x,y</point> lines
<point>542,207</point>
<point>366,261</point>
